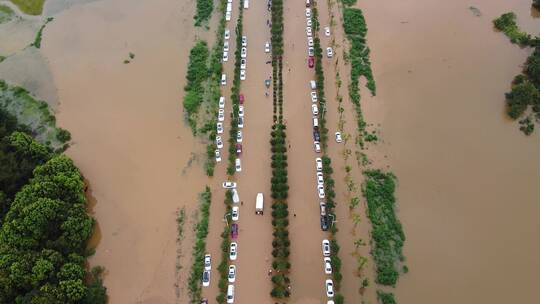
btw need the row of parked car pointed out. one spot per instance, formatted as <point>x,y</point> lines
<point>310,37</point>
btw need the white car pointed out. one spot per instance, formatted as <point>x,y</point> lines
<point>267,47</point>
<point>329,288</point>
<point>218,155</point>
<point>229,185</point>
<point>240,122</point>
<point>219,128</point>
<point>238,165</point>
<point>207,262</point>
<point>318,162</point>
<point>320,190</point>
<point>242,74</point>
<point>206,278</point>
<point>243,52</point>
<point>222,102</point>
<point>233,251</point>
<point>230,294</point>
<point>228,16</point>
<point>311,51</point>
<point>239,136</point>
<point>308,31</point>
<point>327,31</point>
<point>243,63</point>
<point>320,178</point>
<point>241,111</point>
<point>221,115</point>
<point>226,46</point>
<point>227,34</point>
<point>225,56</point>
<point>246,4</point>
<point>232,274</point>
<point>219,142</point>
<point>308,13</point>
<point>244,41</point>
<point>310,41</point>
<point>317,146</point>
<point>223,79</point>
<point>326,248</point>
<point>308,22</point>
<point>329,52</point>
<point>313,96</point>
<point>327,266</point>
<point>235,213</point>
<point>314,109</point>
<point>338,137</point>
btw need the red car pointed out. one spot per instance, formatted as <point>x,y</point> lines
<point>311,61</point>
<point>238,149</point>
<point>241,98</point>
<point>234,231</point>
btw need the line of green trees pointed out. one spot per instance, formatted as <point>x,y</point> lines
<point>37,40</point>
<point>235,92</point>
<point>223,266</point>
<point>524,97</point>
<point>279,182</point>
<point>329,182</point>
<point>355,28</point>
<point>44,224</point>
<point>199,247</point>
<point>197,73</point>
<point>203,11</point>
<point>387,233</point>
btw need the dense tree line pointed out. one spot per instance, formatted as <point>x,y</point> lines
<point>203,11</point>
<point>524,96</point>
<point>223,266</point>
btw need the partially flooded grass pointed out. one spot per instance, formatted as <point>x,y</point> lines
<point>30,7</point>
<point>180,221</point>
<point>6,14</point>
<point>33,113</point>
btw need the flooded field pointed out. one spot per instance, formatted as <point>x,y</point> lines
<point>467,191</point>
<point>129,138</point>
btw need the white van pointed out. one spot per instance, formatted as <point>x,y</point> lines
<point>230,294</point>
<point>229,7</point>
<point>223,79</point>
<point>259,204</point>
<point>315,121</point>
<point>313,84</point>
<point>228,16</point>
<point>246,4</point>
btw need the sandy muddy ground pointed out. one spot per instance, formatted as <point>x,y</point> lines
<point>467,196</point>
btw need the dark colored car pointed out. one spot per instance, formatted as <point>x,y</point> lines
<point>311,61</point>
<point>316,135</point>
<point>267,83</point>
<point>324,222</point>
<point>238,149</point>
<point>241,99</point>
<point>204,301</point>
<point>234,231</point>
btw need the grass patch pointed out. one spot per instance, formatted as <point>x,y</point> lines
<point>6,14</point>
<point>387,233</point>
<point>37,41</point>
<point>30,7</point>
<point>33,113</point>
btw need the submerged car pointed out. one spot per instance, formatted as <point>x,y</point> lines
<point>311,61</point>
<point>229,185</point>
<point>233,254</point>
<point>242,74</point>
<point>234,231</point>
<point>232,274</point>
<point>338,137</point>
<point>207,262</point>
<point>218,155</point>
<point>238,165</point>
<point>329,52</point>
<point>206,278</point>
<point>329,288</point>
<point>327,266</point>
<point>267,47</point>
<point>235,213</point>
<point>219,142</point>
<point>326,248</point>
<point>327,31</point>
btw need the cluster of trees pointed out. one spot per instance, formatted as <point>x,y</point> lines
<point>525,92</point>
<point>355,28</point>
<point>279,182</point>
<point>235,92</point>
<point>199,247</point>
<point>223,266</point>
<point>385,297</point>
<point>203,11</point>
<point>387,233</point>
<point>329,182</point>
<point>197,73</point>
<point>536,4</point>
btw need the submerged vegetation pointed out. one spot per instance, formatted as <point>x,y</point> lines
<point>197,73</point>
<point>30,7</point>
<point>199,247</point>
<point>203,11</point>
<point>37,41</point>
<point>33,114</point>
<point>524,97</point>
<point>45,227</point>
<point>6,14</point>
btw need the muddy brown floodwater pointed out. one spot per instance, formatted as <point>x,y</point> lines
<point>468,196</point>
<point>129,139</point>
